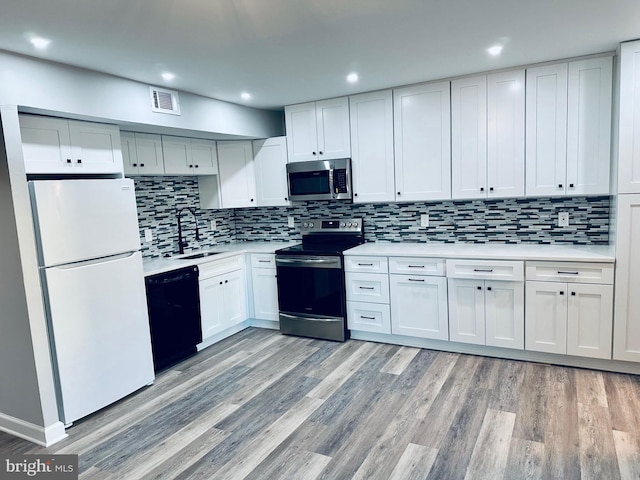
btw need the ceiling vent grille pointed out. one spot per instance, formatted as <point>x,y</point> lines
<point>164,101</point>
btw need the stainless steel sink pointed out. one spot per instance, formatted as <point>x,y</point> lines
<point>199,255</point>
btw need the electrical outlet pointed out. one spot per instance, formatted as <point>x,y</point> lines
<point>424,220</point>
<point>563,219</point>
<point>148,235</point>
<point>214,225</point>
<point>291,222</point>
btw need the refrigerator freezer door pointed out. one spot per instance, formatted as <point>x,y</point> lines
<point>100,328</point>
<point>83,219</point>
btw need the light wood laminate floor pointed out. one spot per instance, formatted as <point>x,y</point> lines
<point>261,405</point>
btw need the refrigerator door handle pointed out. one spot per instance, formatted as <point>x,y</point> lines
<point>93,261</point>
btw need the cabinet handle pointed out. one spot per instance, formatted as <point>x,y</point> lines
<point>491,189</point>
<point>486,270</point>
<point>573,294</point>
<point>264,261</point>
<point>355,194</point>
<point>313,153</point>
<point>416,279</point>
<point>142,164</point>
<point>489,288</point>
<point>415,266</point>
<point>220,283</point>
<point>286,199</point>
<point>252,199</point>
<point>398,193</point>
<point>571,185</point>
<point>559,185</point>
<point>367,318</point>
<point>134,164</point>
<point>482,189</point>
<point>319,153</point>
<point>365,288</point>
<point>79,160</point>
<point>226,281</point>
<point>365,264</point>
<point>561,292</point>
<point>190,166</point>
<point>560,272</point>
<point>68,160</point>
<point>479,288</point>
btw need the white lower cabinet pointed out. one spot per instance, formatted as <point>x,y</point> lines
<point>368,317</point>
<point>419,306</point>
<point>265,287</point>
<point>486,312</point>
<point>569,318</point>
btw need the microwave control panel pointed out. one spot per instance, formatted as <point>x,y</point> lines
<point>340,181</point>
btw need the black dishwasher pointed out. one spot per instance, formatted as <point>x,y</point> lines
<point>173,301</point>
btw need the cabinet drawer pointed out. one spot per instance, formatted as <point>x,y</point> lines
<point>223,265</point>
<point>367,287</point>
<point>369,317</point>
<point>417,266</point>
<point>571,272</point>
<point>486,269</point>
<point>263,260</point>
<point>366,264</point>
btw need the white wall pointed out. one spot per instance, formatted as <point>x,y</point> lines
<point>45,87</point>
<point>28,404</point>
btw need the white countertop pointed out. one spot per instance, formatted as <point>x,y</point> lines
<point>153,266</point>
<point>489,251</point>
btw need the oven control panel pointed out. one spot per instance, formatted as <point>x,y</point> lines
<point>350,225</point>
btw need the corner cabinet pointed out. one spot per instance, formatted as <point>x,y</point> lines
<point>237,175</point>
<point>568,128</point>
<point>142,153</point>
<point>318,130</point>
<point>629,119</point>
<point>55,145</point>
<point>372,157</point>
<point>422,142</point>
<point>270,164</point>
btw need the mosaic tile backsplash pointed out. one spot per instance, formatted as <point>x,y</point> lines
<point>527,220</point>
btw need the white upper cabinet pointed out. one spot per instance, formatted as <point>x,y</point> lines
<point>469,137</point>
<point>142,153</point>
<point>505,134</point>
<point>372,147</point>
<point>237,175</point>
<point>422,142</point>
<point>270,161</point>
<point>189,156</point>
<point>569,128</point>
<point>629,120</point>
<point>318,130</point>
<point>54,145</point>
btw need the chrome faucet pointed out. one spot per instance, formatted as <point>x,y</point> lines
<point>182,243</point>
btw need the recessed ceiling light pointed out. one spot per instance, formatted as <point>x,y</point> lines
<point>495,50</point>
<point>39,42</point>
<point>245,96</point>
<point>168,76</point>
<point>352,77</point>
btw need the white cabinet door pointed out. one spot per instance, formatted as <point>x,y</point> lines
<point>369,317</point>
<point>546,317</point>
<point>204,157</point>
<point>589,320</point>
<point>332,121</point>
<point>466,311</point>
<point>505,134</point>
<point>302,139</point>
<point>422,142</point>
<point>129,155</point>
<point>237,176</point>
<point>626,340</point>
<point>270,161</point>
<point>212,310</point>
<point>148,159</point>
<point>629,119</point>
<point>589,126</point>
<point>504,314</point>
<point>235,298</point>
<point>177,155</point>
<point>95,147</point>
<point>469,137</point>
<point>372,165</point>
<point>546,126</point>
<point>419,306</point>
<point>265,293</point>
<point>45,144</point>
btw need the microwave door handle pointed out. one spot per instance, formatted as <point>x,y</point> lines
<point>331,182</point>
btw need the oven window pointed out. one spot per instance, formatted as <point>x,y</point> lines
<point>309,183</point>
<point>308,290</point>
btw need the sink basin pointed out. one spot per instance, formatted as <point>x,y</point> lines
<point>199,255</point>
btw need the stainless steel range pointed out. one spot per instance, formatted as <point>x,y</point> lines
<point>311,290</point>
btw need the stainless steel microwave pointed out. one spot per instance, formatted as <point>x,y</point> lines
<point>320,180</point>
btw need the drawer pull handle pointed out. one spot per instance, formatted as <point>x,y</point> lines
<point>560,272</point>
<point>416,279</point>
<point>487,270</point>
<point>365,264</point>
<point>416,266</point>
<point>366,288</point>
<point>367,318</point>
<point>264,261</point>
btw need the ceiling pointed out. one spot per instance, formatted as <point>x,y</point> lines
<point>292,51</point>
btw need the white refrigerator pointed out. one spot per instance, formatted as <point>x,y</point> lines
<point>93,283</point>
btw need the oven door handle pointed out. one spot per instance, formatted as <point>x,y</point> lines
<point>310,262</point>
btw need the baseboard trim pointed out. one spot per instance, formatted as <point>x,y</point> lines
<point>44,436</point>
